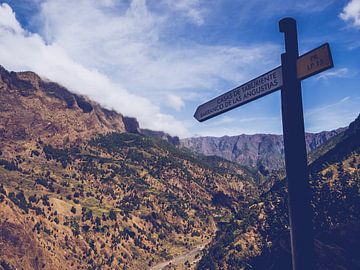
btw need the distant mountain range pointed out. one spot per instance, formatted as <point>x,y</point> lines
<point>263,151</point>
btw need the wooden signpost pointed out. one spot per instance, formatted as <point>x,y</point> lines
<point>288,78</point>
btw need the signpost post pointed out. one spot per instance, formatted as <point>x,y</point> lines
<point>302,241</point>
<point>288,78</point>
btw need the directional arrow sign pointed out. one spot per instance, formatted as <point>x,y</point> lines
<point>256,88</point>
<point>309,64</point>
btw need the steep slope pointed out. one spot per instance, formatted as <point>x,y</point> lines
<point>121,199</point>
<point>335,182</point>
<point>79,192</point>
<point>35,108</point>
<point>264,151</point>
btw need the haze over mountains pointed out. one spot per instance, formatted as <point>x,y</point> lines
<point>83,187</point>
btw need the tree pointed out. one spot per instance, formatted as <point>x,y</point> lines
<point>112,214</point>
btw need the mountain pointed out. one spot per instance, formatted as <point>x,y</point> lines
<point>259,238</point>
<point>36,108</point>
<point>264,151</point>
<point>82,187</point>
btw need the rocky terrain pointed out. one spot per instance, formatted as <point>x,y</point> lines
<point>78,191</point>
<point>261,151</point>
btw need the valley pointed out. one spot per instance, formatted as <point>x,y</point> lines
<point>84,187</point>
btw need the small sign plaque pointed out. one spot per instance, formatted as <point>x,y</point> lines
<point>314,62</point>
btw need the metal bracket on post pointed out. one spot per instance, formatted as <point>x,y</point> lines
<point>302,241</point>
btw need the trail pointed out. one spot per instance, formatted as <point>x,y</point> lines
<point>181,259</point>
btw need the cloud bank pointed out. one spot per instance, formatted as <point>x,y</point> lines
<point>351,13</point>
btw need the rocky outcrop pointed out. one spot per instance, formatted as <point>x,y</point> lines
<point>131,125</point>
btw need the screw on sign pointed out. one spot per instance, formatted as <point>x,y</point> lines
<point>286,77</point>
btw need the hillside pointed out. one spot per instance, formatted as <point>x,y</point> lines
<point>335,183</point>
<point>263,151</point>
<point>78,191</point>
<point>34,108</point>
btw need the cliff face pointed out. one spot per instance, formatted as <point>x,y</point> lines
<point>259,150</point>
<point>34,108</point>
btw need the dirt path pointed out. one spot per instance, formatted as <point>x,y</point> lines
<point>181,259</point>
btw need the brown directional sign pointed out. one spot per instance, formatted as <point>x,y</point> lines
<point>314,62</point>
<point>254,89</point>
<point>308,64</point>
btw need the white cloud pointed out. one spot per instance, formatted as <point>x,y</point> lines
<point>8,21</point>
<point>351,13</point>
<point>310,6</point>
<point>175,102</point>
<point>192,9</point>
<point>131,47</point>
<point>336,73</point>
<point>223,120</point>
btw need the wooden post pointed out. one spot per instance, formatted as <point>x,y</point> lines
<point>302,240</point>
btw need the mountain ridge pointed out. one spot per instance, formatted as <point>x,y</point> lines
<point>265,151</point>
<point>50,111</point>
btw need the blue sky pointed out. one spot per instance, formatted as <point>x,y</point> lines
<point>157,60</point>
